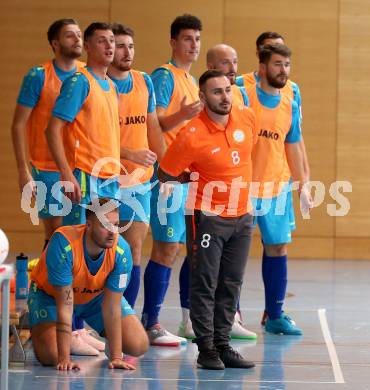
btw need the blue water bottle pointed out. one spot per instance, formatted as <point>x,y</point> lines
<point>21,278</point>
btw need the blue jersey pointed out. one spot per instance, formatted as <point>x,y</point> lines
<point>271,101</point>
<point>125,86</point>
<point>163,83</point>
<point>33,83</point>
<point>59,263</point>
<point>73,94</point>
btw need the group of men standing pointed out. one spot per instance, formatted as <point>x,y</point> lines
<point>110,134</point>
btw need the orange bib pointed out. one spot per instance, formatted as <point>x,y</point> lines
<point>269,158</point>
<point>36,125</point>
<point>95,132</point>
<point>133,110</point>
<point>85,286</point>
<point>184,85</point>
<point>238,100</point>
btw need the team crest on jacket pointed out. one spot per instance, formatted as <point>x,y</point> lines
<point>238,135</point>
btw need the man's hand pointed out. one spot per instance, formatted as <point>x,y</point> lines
<point>143,157</point>
<point>120,363</point>
<point>165,190</point>
<point>25,179</point>
<point>189,111</point>
<point>66,365</point>
<point>306,202</point>
<point>75,195</point>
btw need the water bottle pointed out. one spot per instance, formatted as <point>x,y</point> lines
<point>21,278</point>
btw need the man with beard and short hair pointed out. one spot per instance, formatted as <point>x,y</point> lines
<point>177,101</point>
<point>216,146</point>
<point>85,270</point>
<point>276,157</point>
<point>224,58</point>
<point>40,89</point>
<point>142,144</point>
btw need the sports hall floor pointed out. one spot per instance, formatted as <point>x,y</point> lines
<point>329,300</point>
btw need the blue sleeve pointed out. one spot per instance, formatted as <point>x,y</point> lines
<point>119,278</point>
<point>245,96</point>
<point>239,81</point>
<point>295,133</point>
<point>163,83</point>
<point>297,98</point>
<point>32,85</point>
<point>151,101</point>
<point>72,96</point>
<point>59,261</point>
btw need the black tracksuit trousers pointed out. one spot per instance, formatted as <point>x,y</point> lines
<point>217,250</point>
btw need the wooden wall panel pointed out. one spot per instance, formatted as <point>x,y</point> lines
<point>354,117</point>
<point>314,64</point>
<point>23,27</point>
<point>330,64</point>
<point>152,28</point>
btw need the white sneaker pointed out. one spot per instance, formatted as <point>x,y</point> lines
<point>80,347</point>
<point>87,336</point>
<point>239,331</point>
<point>160,337</point>
<point>182,340</point>
<point>186,330</point>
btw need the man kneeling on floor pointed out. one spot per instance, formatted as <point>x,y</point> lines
<point>85,269</point>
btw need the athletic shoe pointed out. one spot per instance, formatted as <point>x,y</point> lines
<point>186,330</point>
<point>232,358</point>
<point>87,336</point>
<point>209,359</point>
<point>239,331</point>
<point>160,337</point>
<point>182,340</point>
<point>80,347</point>
<point>283,325</point>
<point>265,316</point>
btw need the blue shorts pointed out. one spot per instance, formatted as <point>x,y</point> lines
<point>54,199</point>
<point>91,188</point>
<point>168,226</point>
<point>42,308</point>
<point>275,217</point>
<point>135,203</point>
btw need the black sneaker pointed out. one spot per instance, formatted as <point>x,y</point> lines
<point>210,359</point>
<point>232,358</point>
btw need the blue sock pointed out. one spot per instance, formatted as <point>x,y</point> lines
<point>274,273</point>
<point>184,282</point>
<point>77,323</point>
<point>132,289</point>
<point>156,281</point>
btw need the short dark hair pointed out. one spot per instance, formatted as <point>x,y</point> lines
<point>90,209</point>
<point>121,29</point>
<point>267,35</point>
<point>54,29</point>
<point>185,22</point>
<point>89,32</point>
<point>268,50</point>
<point>209,74</point>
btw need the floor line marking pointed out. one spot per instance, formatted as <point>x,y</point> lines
<point>184,379</point>
<point>338,375</point>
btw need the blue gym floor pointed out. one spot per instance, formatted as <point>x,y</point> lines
<point>327,299</point>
